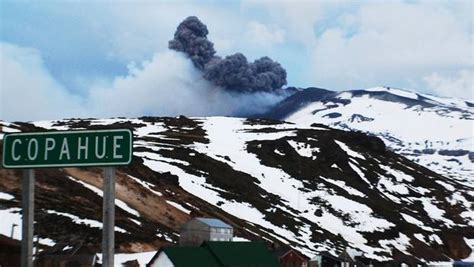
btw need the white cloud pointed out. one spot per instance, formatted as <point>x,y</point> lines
<point>166,85</point>
<point>264,35</point>
<point>297,18</point>
<point>141,29</point>
<point>459,85</point>
<point>393,43</point>
<point>27,89</point>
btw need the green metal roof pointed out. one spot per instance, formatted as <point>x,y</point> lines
<point>222,254</point>
<point>242,254</point>
<point>191,256</point>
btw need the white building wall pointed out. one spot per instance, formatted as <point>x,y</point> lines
<point>162,261</point>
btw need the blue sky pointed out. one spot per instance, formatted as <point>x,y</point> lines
<point>67,55</point>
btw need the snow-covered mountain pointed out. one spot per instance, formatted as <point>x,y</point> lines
<point>310,187</point>
<point>435,132</point>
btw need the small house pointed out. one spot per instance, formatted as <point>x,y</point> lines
<point>198,230</point>
<point>289,257</point>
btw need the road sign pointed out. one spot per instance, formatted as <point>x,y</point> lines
<point>67,149</point>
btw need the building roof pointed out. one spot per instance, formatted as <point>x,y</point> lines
<point>247,254</point>
<point>214,222</point>
<point>220,254</point>
<point>190,256</point>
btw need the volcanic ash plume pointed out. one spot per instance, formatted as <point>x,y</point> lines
<point>234,72</point>
<point>191,38</point>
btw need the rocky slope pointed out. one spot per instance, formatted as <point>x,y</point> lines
<point>311,187</point>
<point>432,131</point>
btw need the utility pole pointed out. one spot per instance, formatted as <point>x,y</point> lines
<point>28,205</point>
<point>108,217</point>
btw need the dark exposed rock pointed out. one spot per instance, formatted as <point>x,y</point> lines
<point>453,153</point>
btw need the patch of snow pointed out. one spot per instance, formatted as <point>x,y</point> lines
<point>240,239</point>
<point>6,196</point>
<point>402,242</point>
<point>88,222</point>
<point>119,203</point>
<point>343,185</point>
<point>360,173</point>
<point>11,217</point>
<point>434,212</point>
<point>303,149</point>
<point>399,176</point>
<point>349,151</point>
<point>178,206</point>
<point>416,222</point>
<point>436,239</point>
<point>147,185</point>
<point>279,153</point>
<point>47,242</point>
<point>390,186</point>
<point>135,221</point>
<point>446,185</point>
<point>470,243</point>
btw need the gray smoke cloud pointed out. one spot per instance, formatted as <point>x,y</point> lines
<point>191,38</point>
<point>234,72</point>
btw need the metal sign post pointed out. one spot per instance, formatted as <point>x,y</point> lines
<point>109,148</point>
<point>108,217</point>
<point>28,203</point>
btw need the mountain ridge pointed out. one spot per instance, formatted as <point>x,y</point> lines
<point>435,132</point>
<point>312,188</point>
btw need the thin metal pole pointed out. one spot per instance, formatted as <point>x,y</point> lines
<point>28,205</point>
<point>108,217</point>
